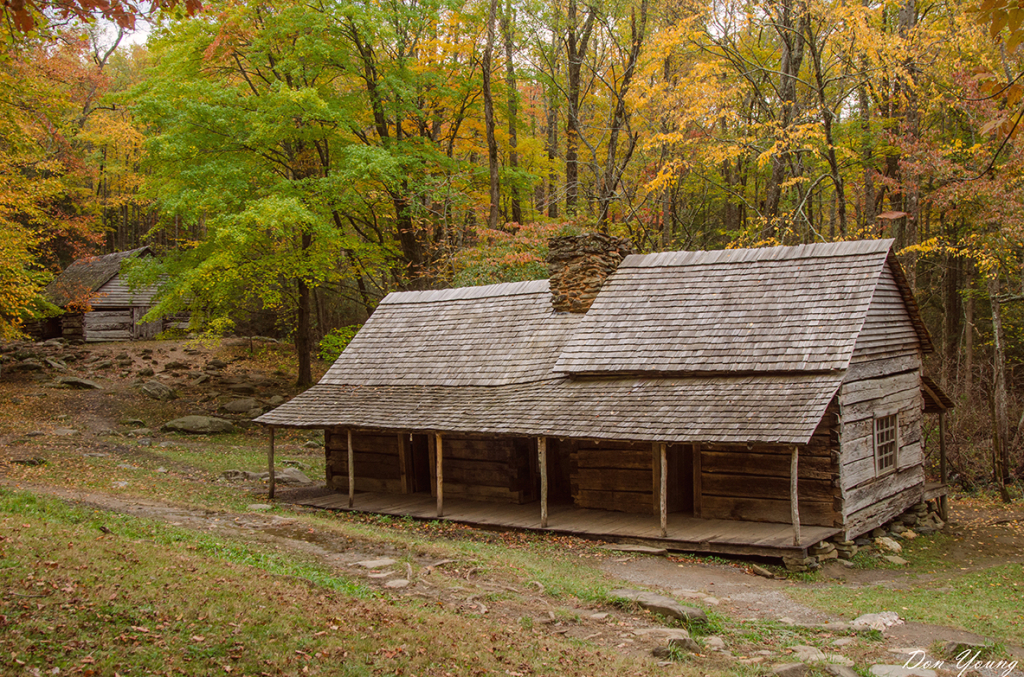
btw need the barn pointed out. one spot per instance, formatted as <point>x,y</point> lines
<point>99,304</point>
<point>747,401</point>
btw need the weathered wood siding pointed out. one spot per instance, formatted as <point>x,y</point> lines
<point>72,326</point>
<point>878,388</point>
<point>490,468</point>
<point>888,330</point>
<point>375,458</point>
<point>116,294</point>
<point>475,467</point>
<point>751,482</point>
<point>624,476</point>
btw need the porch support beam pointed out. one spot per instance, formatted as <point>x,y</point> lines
<point>542,461</point>
<point>943,469</point>
<point>794,504</point>
<point>440,477</point>
<point>351,472</point>
<point>663,488</point>
<point>270,465</point>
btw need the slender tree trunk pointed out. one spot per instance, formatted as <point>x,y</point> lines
<point>827,117</point>
<point>577,44</point>
<point>969,333</point>
<point>507,30</point>
<point>492,143</point>
<point>552,149</point>
<point>303,345</point>
<point>999,405</point>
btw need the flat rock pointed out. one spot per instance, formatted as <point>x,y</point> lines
<point>843,641</point>
<point>790,670</point>
<point>626,547</point>
<point>714,643</point>
<point>887,544</point>
<point>807,654</point>
<point>661,605</point>
<point>158,391</point>
<point>397,583</point>
<point>376,563</point>
<point>895,559</point>
<point>879,621</point>
<point>198,425</point>
<point>290,476</point>
<point>258,506</point>
<point>662,633</point>
<point>241,406</point>
<point>840,670</point>
<point>684,643</point>
<point>900,671</point>
<point>761,571</point>
<point>64,432</point>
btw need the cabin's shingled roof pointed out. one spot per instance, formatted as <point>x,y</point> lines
<point>86,275</point>
<point>782,309</point>
<point>678,347</point>
<point>471,336</point>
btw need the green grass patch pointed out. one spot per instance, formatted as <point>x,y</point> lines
<point>989,602</point>
<point>148,597</point>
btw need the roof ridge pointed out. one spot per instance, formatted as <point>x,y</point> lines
<point>472,292</point>
<point>782,253</point>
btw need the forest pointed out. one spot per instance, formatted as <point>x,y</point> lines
<point>293,161</point>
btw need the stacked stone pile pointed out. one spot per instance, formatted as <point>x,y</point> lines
<point>922,518</point>
<point>579,265</point>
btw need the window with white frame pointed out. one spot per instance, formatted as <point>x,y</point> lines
<point>885,443</point>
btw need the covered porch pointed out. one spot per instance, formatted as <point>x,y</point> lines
<point>682,532</point>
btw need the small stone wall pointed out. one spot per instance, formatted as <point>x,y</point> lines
<point>578,265</point>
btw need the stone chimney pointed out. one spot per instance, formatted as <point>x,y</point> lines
<point>579,264</point>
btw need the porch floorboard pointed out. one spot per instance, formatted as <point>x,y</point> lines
<point>685,532</point>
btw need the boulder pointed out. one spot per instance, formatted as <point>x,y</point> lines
<point>887,544</point>
<point>241,406</point>
<point>291,476</point>
<point>684,643</point>
<point>198,425</point>
<point>78,383</point>
<point>661,605</point>
<point>158,391</point>
<point>879,621</point>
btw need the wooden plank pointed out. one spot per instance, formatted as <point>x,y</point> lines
<point>405,462</point>
<point>794,500</point>
<point>622,501</point>
<point>270,465</point>
<point>698,492</point>
<point>877,513</point>
<point>943,476</point>
<point>768,510</point>
<point>873,389</point>
<point>351,471</point>
<point>883,487</point>
<point>663,494</point>
<point>614,458</point>
<point>615,480</point>
<point>542,462</point>
<point>440,477</point>
<point>767,465</point>
<point>766,487</point>
<point>883,367</point>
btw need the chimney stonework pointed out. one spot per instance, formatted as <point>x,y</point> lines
<point>579,264</point>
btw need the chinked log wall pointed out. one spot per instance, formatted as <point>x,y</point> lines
<point>475,467</point>
<point>752,482</point>
<point>624,476</point>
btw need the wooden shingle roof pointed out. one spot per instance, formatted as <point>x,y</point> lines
<point>472,336</point>
<point>770,409</point>
<point>86,275</point>
<point>781,309</point>
<point>730,346</point>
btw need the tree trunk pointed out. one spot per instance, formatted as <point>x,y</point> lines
<point>492,143</point>
<point>303,345</point>
<point>577,43</point>
<point>513,107</point>
<point>999,406</point>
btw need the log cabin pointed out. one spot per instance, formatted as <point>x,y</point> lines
<point>98,303</point>
<point>746,401</point>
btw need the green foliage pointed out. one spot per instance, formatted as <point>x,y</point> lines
<point>336,341</point>
<point>516,256</point>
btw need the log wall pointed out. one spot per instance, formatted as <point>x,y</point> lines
<point>878,388</point>
<point>475,467</point>
<point>751,482</point>
<point>624,476</point>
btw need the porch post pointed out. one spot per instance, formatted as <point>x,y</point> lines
<point>270,463</point>
<point>351,472</point>
<point>663,486</point>
<point>440,478</point>
<point>542,461</point>
<point>943,471</point>
<point>794,505</point>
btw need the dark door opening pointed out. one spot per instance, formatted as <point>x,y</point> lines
<point>420,464</point>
